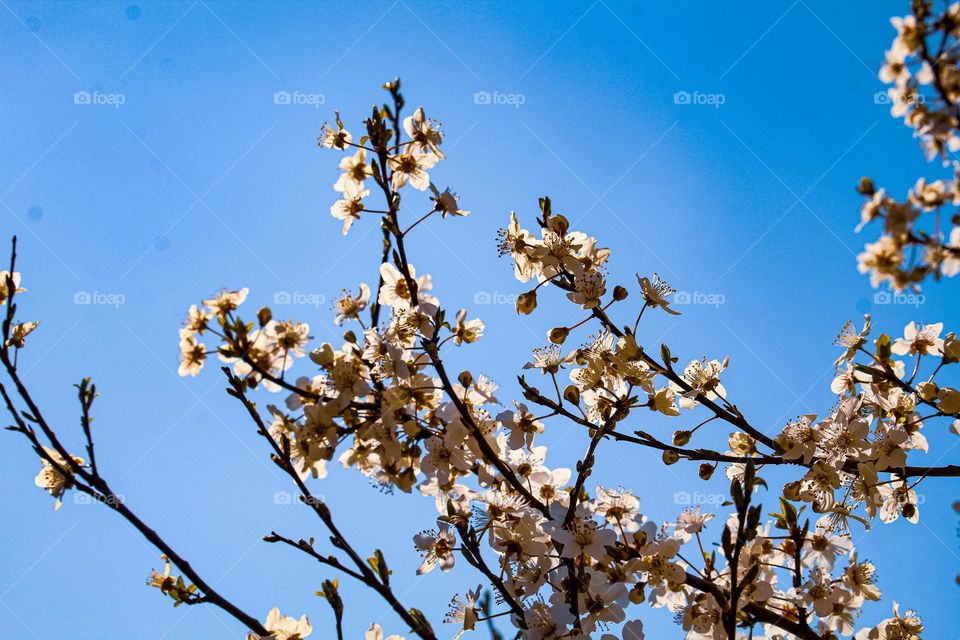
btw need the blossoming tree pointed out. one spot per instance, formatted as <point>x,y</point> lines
<point>561,556</point>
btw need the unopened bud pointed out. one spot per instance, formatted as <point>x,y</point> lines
<point>669,457</point>
<point>559,224</point>
<point>527,302</point>
<point>264,316</point>
<point>791,491</point>
<point>558,335</point>
<point>620,293</point>
<point>681,438</point>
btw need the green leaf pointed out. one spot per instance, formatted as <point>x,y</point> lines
<point>379,564</point>
<point>421,622</point>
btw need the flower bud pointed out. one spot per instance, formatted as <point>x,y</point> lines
<point>639,538</point>
<point>264,316</point>
<point>866,186</point>
<point>558,335</point>
<point>572,394</point>
<point>681,438</point>
<point>791,491</point>
<point>465,378</point>
<point>706,470</point>
<point>669,457</point>
<point>559,224</point>
<point>527,302</point>
<point>620,293</point>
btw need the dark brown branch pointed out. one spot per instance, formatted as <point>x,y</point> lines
<point>282,458</point>
<point>103,494</point>
<point>91,482</point>
<point>646,440</point>
<point>759,613</point>
<point>734,418</point>
<point>307,548</point>
<point>471,552</point>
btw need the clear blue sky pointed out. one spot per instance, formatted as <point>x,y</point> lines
<point>200,180</point>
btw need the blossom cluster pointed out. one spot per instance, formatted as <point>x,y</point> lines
<point>563,558</point>
<point>875,425</point>
<point>922,68</point>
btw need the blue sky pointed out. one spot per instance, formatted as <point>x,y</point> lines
<point>186,175</point>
